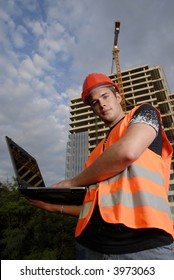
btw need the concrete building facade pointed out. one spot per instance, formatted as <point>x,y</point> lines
<point>76,153</point>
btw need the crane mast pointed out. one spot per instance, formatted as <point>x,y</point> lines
<point>117,62</point>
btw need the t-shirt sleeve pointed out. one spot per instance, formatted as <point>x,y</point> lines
<point>146,114</point>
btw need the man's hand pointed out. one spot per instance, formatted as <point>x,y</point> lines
<point>45,205</point>
<point>64,184</point>
<point>72,210</point>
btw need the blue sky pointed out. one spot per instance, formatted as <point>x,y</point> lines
<point>47,47</point>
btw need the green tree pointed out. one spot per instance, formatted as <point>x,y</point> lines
<point>30,233</point>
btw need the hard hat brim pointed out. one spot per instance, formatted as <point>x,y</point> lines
<point>86,93</point>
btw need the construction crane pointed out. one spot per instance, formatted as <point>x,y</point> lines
<point>117,62</point>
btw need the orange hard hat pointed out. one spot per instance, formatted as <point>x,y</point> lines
<point>95,80</point>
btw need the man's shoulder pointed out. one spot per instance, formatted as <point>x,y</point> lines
<point>146,109</point>
<point>145,106</point>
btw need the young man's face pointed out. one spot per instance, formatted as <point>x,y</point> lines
<point>106,105</point>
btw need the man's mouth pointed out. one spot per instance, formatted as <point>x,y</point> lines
<point>105,112</point>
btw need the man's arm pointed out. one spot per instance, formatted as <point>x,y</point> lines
<point>117,157</point>
<point>72,210</point>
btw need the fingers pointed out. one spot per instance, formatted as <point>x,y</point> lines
<point>39,203</point>
<point>44,205</point>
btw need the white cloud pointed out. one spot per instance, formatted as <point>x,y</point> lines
<point>37,27</point>
<point>18,37</point>
<point>32,67</point>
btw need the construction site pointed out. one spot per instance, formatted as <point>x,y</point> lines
<point>142,84</point>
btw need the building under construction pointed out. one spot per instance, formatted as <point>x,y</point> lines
<point>142,84</point>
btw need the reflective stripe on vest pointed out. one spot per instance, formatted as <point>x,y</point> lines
<point>135,170</point>
<point>131,199</point>
<point>134,200</point>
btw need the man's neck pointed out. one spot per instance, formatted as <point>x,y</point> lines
<point>117,120</point>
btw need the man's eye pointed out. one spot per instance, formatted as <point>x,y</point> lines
<point>93,103</point>
<point>105,96</point>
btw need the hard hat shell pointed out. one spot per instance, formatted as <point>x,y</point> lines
<point>94,80</point>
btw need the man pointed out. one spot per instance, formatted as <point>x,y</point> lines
<point>125,213</point>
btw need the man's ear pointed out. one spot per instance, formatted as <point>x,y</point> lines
<point>118,96</point>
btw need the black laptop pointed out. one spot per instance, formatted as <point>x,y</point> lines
<point>31,183</point>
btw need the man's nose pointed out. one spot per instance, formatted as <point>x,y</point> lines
<point>102,103</point>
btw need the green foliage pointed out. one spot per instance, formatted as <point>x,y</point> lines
<point>28,233</point>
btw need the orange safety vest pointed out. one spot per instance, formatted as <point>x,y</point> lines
<point>137,196</point>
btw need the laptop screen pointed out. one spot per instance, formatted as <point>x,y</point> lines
<point>25,166</point>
